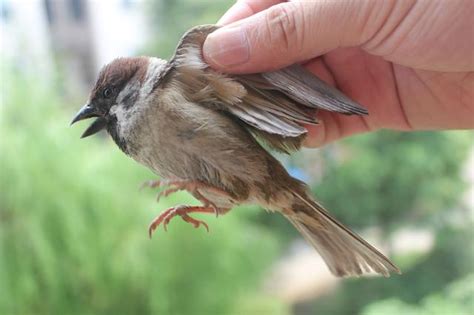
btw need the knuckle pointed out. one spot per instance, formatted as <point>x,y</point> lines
<point>284,27</point>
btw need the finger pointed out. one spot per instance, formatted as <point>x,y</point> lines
<point>290,32</point>
<point>331,126</point>
<point>245,8</point>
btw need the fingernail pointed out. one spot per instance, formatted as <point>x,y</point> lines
<point>227,47</point>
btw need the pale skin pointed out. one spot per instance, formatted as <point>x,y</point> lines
<point>410,63</point>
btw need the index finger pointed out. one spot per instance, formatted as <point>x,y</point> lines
<point>245,8</point>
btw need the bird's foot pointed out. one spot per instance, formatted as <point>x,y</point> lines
<point>190,186</point>
<point>176,185</point>
<point>182,211</point>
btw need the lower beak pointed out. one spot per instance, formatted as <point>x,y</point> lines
<point>89,111</point>
<point>99,124</point>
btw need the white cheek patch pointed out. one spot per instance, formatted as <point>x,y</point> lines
<point>118,112</point>
<point>126,118</point>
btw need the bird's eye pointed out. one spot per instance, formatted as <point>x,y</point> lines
<point>107,92</point>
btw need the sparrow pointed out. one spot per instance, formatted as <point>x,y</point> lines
<point>206,132</point>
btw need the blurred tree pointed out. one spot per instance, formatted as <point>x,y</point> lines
<point>392,180</point>
<point>450,260</point>
<point>389,178</point>
<point>457,298</point>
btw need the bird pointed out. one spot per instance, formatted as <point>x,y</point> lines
<point>209,133</point>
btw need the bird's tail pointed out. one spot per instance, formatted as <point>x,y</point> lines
<point>345,252</point>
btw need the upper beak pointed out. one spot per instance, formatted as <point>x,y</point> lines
<point>89,111</point>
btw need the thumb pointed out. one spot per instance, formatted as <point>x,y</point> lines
<point>291,32</point>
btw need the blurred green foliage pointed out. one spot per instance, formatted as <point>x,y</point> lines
<point>169,19</point>
<point>451,259</point>
<point>73,224</point>
<point>73,234</point>
<point>388,178</point>
<point>392,180</point>
<point>457,298</point>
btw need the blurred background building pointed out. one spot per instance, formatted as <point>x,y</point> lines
<point>73,223</point>
<point>79,36</point>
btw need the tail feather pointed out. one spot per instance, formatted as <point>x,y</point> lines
<point>345,253</point>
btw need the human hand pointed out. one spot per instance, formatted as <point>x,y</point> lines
<point>410,63</point>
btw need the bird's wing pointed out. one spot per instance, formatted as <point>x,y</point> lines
<point>306,89</point>
<point>277,103</point>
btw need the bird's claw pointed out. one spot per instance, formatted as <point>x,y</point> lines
<point>166,192</point>
<point>151,184</point>
<point>195,222</point>
<point>176,185</point>
<point>182,211</point>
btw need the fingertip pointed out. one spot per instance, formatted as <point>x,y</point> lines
<point>235,48</point>
<point>226,47</point>
<point>328,130</point>
<point>315,136</point>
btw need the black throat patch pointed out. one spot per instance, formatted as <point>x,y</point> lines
<point>112,128</point>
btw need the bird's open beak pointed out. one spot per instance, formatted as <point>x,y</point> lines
<point>89,111</point>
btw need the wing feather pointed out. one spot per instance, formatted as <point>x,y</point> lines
<point>308,90</point>
<point>265,121</point>
<point>277,103</point>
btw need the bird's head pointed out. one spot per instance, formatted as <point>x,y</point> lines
<point>120,87</point>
